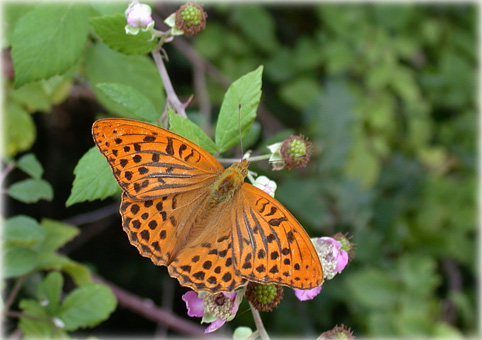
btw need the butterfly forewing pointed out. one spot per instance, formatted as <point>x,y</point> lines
<point>150,162</point>
<point>270,245</point>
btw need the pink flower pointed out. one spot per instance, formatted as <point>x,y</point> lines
<point>194,304</point>
<point>138,15</point>
<point>333,260</point>
<point>308,294</point>
<point>213,308</point>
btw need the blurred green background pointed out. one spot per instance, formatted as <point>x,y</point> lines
<point>387,95</point>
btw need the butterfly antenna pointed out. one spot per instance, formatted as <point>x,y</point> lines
<point>239,127</point>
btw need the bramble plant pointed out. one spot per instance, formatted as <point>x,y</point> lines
<point>385,96</point>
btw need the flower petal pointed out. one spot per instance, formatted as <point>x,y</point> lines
<point>342,260</point>
<point>194,304</point>
<point>309,294</point>
<point>215,325</point>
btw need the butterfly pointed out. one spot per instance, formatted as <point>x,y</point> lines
<point>183,210</point>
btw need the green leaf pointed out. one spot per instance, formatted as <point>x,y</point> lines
<point>187,129</point>
<point>301,92</point>
<point>22,230</point>
<point>48,40</point>
<point>41,95</point>
<point>136,105</point>
<point>20,131</point>
<point>29,164</point>
<point>56,235</point>
<point>252,135</point>
<point>246,91</point>
<point>79,273</point>
<point>372,288</point>
<point>18,261</point>
<point>12,11</point>
<point>93,179</point>
<point>112,31</point>
<point>104,65</point>
<point>31,190</point>
<point>38,325</point>
<point>49,291</point>
<point>108,8</point>
<point>32,96</point>
<point>261,27</point>
<point>330,120</point>
<point>362,164</point>
<point>87,306</point>
<point>53,261</point>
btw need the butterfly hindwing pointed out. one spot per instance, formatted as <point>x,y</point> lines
<point>270,245</point>
<point>206,262</point>
<point>150,162</point>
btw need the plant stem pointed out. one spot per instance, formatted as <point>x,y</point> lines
<point>6,171</point>
<point>13,293</point>
<point>259,158</point>
<point>259,323</point>
<point>171,96</point>
<point>251,159</point>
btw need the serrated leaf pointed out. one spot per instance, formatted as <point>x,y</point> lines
<point>39,325</point>
<point>56,235</point>
<point>53,261</point>
<point>87,306</point>
<point>93,179</point>
<point>22,230</point>
<point>49,291</point>
<point>104,65</point>
<point>79,273</point>
<point>112,31</point>
<point>136,105</point>
<point>187,129</point>
<point>246,91</point>
<point>20,131</point>
<point>31,190</point>
<point>48,40</point>
<point>18,261</point>
<point>29,164</point>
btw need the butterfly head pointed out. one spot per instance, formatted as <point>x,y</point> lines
<point>240,168</point>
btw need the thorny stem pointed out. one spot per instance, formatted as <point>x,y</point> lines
<point>171,96</point>
<point>259,323</point>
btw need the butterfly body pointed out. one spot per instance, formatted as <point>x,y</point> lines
<point>183,210</point>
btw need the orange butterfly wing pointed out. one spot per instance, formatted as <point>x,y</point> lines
<point>270,245</point>
<point>150,162</point>
<point>160,203</point>
<point>167,214</point>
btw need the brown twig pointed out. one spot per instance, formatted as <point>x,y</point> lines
<point>454,279</point>
<point>150,311</point>
<point>93,216</point>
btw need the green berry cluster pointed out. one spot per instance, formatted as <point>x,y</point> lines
<point>265,293</point>
<point>297,148</point>
<point>191,16</point>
